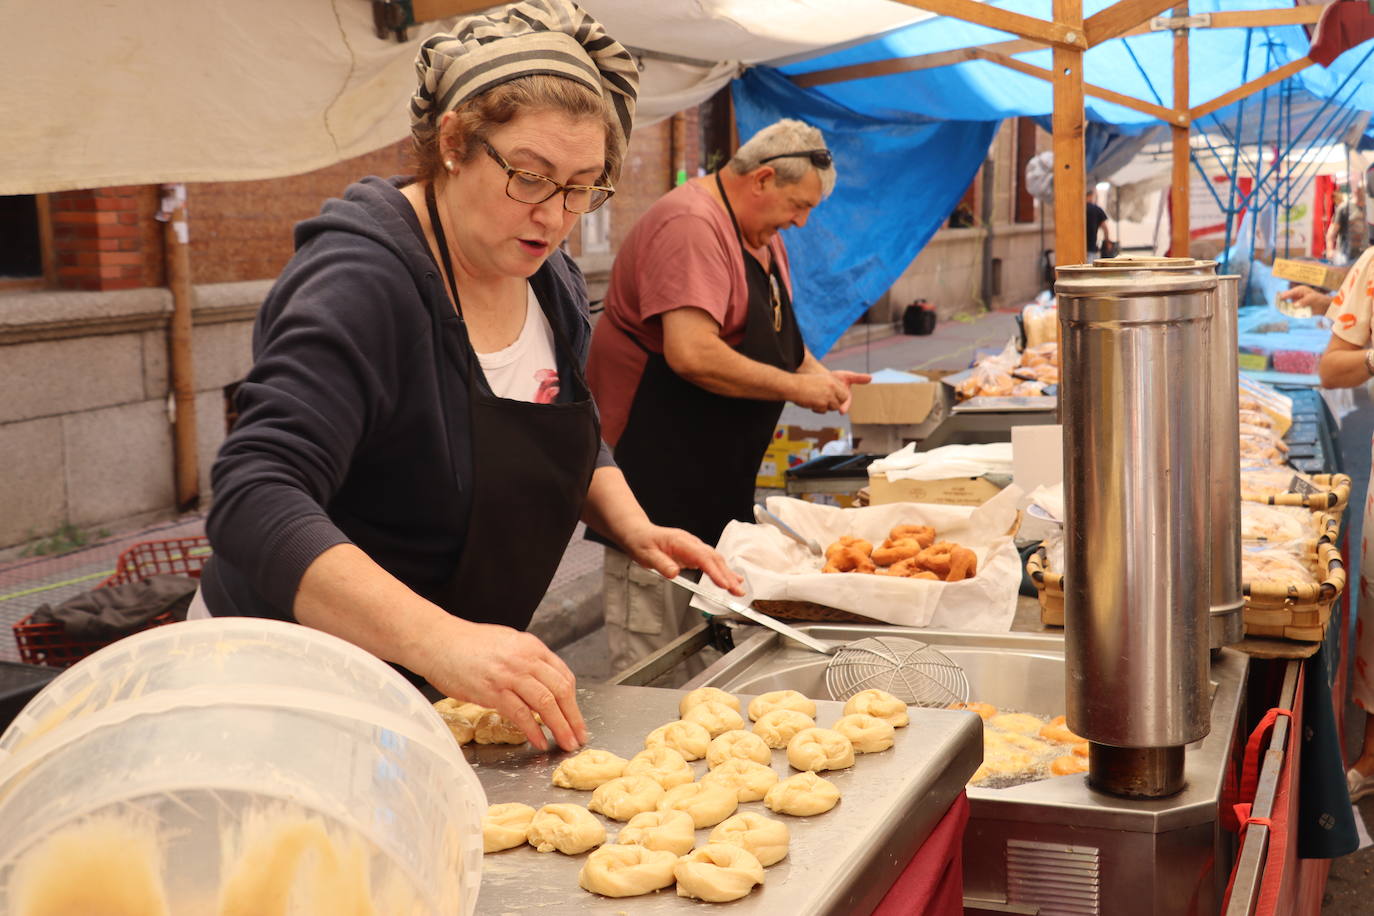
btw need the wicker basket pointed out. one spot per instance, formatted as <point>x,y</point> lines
<point>807,610</point>
<point>1334,497</point>
<point>1297,612</point>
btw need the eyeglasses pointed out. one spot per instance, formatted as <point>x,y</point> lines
<point>533,188</point>
<point>820,158</point>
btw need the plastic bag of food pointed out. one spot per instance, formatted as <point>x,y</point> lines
<point>1028,389</point>
<point>1278,524</point>
<point>1258,418</point>
<point>1287,565</point>
<point>1259,450</point>
<point>1259,396</point>
<point>1265,434</point>
<point>1041,323</point>
<point>1258,483</point>
<point>989,379</point>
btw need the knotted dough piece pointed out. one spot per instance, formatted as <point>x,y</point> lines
<point>626,871</point>
<point>714,716</point>
<point>506,826</point>
<point>1022,723</point>
<point>690,739</point>
<point>737,745</point>
<point>765,837</point>
<point>717,873</point>
<point>878,703</point>
<point>570,829</point>
<point>765,703</point>
<point>460,717</point>
<point>1057,730</point>
<point>778,727</point>
<point>868,734</point>
<point>817,749</point>
<point>1068,765</point>
<point>708,805</point>
<point>802,795</point>
<point>663,765</point>
<point>702,694</point>
<point>624,797</point>
<point>589,769</point>
<point>747,779</point>
<point>671,830</point>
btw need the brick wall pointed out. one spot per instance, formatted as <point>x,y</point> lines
<point>103,240</point>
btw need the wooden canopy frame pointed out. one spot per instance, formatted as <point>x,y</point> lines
<point>1069,35</point>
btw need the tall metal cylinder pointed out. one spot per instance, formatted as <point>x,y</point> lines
<point>1228,601</point>
<point>1135,397</point>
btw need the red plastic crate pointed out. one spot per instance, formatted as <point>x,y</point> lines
<point>48,643</point>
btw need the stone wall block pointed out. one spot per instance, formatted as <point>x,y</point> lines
<point>119,461</point>
<point>34,496</point>
<point>53,377</point>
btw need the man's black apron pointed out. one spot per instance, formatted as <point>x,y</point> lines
<point>531,466</point>
<point>691,456</point>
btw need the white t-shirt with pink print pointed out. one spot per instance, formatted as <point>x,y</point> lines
<point>527,370</point>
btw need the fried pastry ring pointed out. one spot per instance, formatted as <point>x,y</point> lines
<point>1058,731</point>
<point>921,533</point>
<point>937,557</point>
<point>895,551</point>
<point>1068,765</point>
<point>963,564</point>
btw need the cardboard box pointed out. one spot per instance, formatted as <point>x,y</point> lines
<point>957,491</point>
<point>1310,272</point>
<point>884,417</point>
<point>791,446</point>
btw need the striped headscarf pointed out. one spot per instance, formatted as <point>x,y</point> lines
<point>554,37</point>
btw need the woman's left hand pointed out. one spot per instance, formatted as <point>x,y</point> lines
<point>668,550</point>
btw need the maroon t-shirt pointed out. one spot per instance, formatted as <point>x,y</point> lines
<point>683,252</point>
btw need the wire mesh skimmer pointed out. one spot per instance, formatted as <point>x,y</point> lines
<point>908,669</point>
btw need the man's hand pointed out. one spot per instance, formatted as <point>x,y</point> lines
<point>1309,297</point>
<point>821,392</point>
<point>849,379</point>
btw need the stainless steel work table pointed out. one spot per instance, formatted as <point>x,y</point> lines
<point>842,861</point>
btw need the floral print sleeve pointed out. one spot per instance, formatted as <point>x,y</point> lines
<point>1350,307</point>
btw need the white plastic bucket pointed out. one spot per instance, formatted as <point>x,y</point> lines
<point>207,742</point>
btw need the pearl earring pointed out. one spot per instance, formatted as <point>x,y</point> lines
<point>449,164</point>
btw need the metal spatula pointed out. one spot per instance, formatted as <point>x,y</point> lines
<point>909,669</point>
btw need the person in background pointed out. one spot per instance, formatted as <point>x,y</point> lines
<point>1096,222</point>
<point>416,442</point>
<point>696,354</point>
<point>1349,363</point>
<point>1347,236</point>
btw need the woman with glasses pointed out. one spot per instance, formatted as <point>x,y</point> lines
<point>416,441</point>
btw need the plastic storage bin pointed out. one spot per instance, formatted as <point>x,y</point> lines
<point>205,743</point>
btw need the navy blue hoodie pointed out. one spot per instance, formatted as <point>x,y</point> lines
<point>353,422</point>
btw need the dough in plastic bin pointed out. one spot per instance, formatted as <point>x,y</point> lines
<point>868,734</point>
<point>802,795</point>
<point>818,749</point>
<point>117,860</point>
<point>624,797</point>
<point>690,739</point>
<point>737,745</point>
<point>717,873</point>
<point>663,765</point>
<point>765,703</point>
<point>708,805</point>
<point>626,871</point>
<point>506,826</point>
<point>715,717</point>
<point>702,694</point>
<point>671,830</point>
<point>767,838</point>
<point>749,781</point>
<point>778,727</point>
<point>570,829</point>
<point>589,769</point>
<point>878,703</point>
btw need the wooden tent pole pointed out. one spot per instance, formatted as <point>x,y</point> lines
<point>1179,221</point>
<point>1070,231</point>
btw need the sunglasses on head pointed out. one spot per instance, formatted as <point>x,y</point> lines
<point>820,158</point>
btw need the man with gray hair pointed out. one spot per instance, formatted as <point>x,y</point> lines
<point>696,353</point>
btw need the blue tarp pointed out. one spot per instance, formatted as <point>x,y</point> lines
<point>907,145</point>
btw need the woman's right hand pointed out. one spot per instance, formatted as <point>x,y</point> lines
<point>511,672</point>
<point>1309,297</point>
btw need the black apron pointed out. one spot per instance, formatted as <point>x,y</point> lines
<point>691,456</point>
<point>531,467</point>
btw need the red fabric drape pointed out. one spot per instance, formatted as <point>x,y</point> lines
<point>933,882</point>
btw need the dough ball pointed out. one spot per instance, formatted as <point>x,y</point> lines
<point>778,727</point>
<point>624,797</point>
<point>716,718</point>
<point>717,873</point>
<point>819,749</point>
<point>589,769</point>
<point>1019,722</point>
<point>702,694</point>
<point>457,716</point>
<point>570,829</point>
<point>506,826</point>
<point>689,739</point>
<point>765,837</point>
<point>878,703</point>
<point>868,734</point>
<point>663,765</point>
<point>1068,765</point>
<point>802,795</point>
<point>985,710</point>
<point>747,779</point>
<point>671,830</point>
<point>707,805</point>
<point>626,871</point>
<point>737,745</point>
<point>765,703</point>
